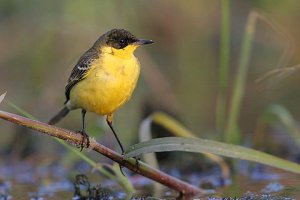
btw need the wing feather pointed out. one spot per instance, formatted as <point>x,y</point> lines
<point>79,71</point>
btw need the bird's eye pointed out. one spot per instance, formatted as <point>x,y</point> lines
<point>122,41</point>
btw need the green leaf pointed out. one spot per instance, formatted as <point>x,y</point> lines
<point>177,129</point>
<point>198,145</point>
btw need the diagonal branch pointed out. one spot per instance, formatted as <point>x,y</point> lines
<point>130,163</point>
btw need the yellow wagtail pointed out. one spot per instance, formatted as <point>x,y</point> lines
<point>104,78</point>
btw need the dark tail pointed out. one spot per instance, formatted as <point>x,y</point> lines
<point>61,114</point>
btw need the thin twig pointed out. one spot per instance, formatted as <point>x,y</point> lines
<point>130,163</point>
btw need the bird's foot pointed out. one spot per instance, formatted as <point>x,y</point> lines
<point>85,142</point>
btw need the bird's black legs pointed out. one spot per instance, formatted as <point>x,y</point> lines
<point>109,120</point>
<point>83,112</point>
<point>85,138</point>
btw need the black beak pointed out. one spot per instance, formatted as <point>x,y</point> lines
<point>142,42</point>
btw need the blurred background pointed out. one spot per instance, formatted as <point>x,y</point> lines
<point>41,41</point>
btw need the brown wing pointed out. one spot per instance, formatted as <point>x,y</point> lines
<point>81,68</point>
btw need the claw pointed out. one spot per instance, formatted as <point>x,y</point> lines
<point>85,142</point>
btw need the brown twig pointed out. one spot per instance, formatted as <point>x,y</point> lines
<point>130,163</point>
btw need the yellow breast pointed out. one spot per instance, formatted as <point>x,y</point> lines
<point>108,85</point>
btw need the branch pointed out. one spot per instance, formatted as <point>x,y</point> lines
<point>130,163</point>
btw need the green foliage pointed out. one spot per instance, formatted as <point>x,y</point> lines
<point>177,130</point>
<point>198,145</point>
<point>209,147</point>
<point>233,133</point>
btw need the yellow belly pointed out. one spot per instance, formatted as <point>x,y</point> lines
<point>108,85</point>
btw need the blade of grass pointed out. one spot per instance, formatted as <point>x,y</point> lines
<point>178,130</point>
<point>223,67</point>
<point>2,97</point>
<point>124,183</point>
<point>277,73</point>
<point>232,131</point>
<point>198,145</point>
<point>144,135</point>
<point>20,110</point>
<point>287,120</point>
<point>280,69</point>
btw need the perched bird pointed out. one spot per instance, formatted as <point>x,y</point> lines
<point>103,78</point>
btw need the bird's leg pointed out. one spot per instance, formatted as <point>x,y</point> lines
<point>85,137</point>
<point>109,119</point>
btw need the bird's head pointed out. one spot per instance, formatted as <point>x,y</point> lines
<point>120,42</point>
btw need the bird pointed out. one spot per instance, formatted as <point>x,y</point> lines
<point>103,79</point>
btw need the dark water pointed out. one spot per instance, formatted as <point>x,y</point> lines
<point>26,180</point>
